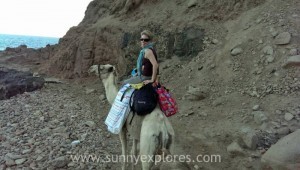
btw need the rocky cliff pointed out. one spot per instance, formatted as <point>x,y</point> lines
<point>110,30</point>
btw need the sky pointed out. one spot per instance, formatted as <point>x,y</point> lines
<point>49,18</point>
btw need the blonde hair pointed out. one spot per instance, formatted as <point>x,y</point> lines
<point>148,33</point>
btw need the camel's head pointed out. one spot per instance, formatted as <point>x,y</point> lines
<point>103,71</point>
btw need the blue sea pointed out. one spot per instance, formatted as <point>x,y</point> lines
<point>7,40</point>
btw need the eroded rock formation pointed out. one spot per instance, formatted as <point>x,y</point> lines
<point>110,30</point>
<point>13,82</point>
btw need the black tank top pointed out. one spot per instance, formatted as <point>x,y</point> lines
<point>147,66</point>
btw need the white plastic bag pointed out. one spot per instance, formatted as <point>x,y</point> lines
<point>119,110</point>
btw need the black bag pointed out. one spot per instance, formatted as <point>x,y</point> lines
<point>144,100</point>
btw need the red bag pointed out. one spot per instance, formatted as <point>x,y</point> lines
<point>166,102</point>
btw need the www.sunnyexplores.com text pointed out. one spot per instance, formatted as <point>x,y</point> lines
<point>144,158</point>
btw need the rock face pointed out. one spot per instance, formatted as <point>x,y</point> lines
<point>110,31</point>
<point>285,154</point>
<point>29,53</point>
<point>13,82</point>
<point>119,47</point>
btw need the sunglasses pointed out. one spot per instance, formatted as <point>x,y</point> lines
<point>145,39</point>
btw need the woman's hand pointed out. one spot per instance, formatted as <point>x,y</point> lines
<point>147,81</point>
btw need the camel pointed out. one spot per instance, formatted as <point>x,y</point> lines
<point>153,131</point>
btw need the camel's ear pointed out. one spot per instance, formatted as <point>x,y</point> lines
<point>101,67</point>
<point>94,69</point>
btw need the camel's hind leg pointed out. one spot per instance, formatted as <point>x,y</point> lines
<point>122,136</point>
<point>149,143</point>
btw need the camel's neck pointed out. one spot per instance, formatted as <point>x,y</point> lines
<point>111,89</point>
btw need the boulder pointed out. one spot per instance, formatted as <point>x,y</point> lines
<point>195,94</point>
<point>292,61</point>
<point>285,154</point>
<point>192,3</point>
<point>13,82</point>
<point>268,50</point>
<point>234,149</point>
<point>259,117</point>
<point>283,38</point>
<point>236,51</point>
<point>251,140</point>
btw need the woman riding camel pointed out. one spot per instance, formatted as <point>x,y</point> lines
<point>147,65</point>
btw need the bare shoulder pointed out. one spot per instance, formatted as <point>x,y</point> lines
<point>148,53</point>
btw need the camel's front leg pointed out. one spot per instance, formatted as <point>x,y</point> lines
<point>134,159</point>
<point>122,136</point>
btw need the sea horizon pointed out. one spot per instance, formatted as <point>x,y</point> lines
<point>29,35</point>
<point>31,41</point>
